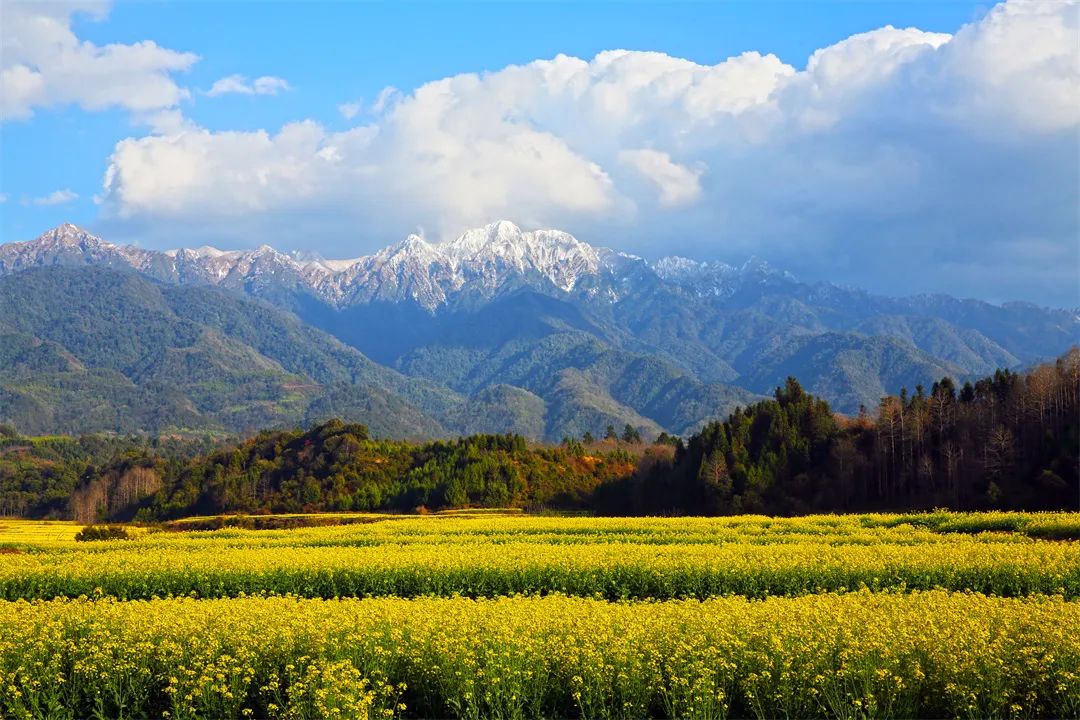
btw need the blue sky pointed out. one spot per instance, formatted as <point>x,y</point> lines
<point>739,177</point>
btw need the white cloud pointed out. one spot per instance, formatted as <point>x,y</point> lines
<point>386,97</point>
<point>166,122</point>
<point>1021,64</point>
<point>678,185</point>
<point>3,198</point>
<point>57,197</point>
<point>895,148</point>
<point>349,110</point>
<point>44,64</point>
<point>230,84</point>
<point>239,85</point>
<point>269,85</point>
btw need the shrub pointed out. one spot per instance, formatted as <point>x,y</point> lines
<point>102,532</point>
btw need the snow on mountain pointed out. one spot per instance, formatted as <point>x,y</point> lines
<point>204,251</point>
<point>503,246</point>
<point>703,277</point>
<point>482,262</point>
<point>493,254</point>
<point>714,278</point>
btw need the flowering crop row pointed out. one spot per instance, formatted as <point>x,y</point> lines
<point>477,567</point>
<point>843,655</point>
<point>939,527</point>
<point>868,529</point>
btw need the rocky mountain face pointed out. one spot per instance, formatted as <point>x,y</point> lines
<point>578,336</point>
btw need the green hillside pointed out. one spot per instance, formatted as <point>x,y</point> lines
<point>99,350</point>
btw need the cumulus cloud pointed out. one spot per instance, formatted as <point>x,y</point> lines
<point>57,197</point>
<point>239,85</point>
<point>44,64</point>
<point>890,159</point>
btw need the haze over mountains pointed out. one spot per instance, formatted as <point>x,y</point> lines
<point>498,330</point>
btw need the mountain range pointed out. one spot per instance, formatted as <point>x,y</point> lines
<point>497,330</point>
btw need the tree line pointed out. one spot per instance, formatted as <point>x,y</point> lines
<point>1008,441</point>
<point>332,467</point>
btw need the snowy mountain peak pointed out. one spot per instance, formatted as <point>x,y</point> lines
<point>496,236</point>
<point>68,235</point>
<point>264,250</point>
<point>413,251</point>
<point>66,228</point>
<point>500,230</point>
<point>556,255</point>
<point>479,261</point>
<point>413,243</point>
<point>506,237</point>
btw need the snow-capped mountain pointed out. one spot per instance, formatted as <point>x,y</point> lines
<point>593,334</point>
<point>482,262</point>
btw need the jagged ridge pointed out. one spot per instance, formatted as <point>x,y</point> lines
<point>482,261</point>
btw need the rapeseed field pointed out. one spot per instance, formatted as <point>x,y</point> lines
<point>943,615</point>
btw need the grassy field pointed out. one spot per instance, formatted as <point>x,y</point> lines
<point>510,615</point>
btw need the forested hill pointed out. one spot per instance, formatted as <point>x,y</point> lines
<point>98,350</point>
<point>1008,441</point>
